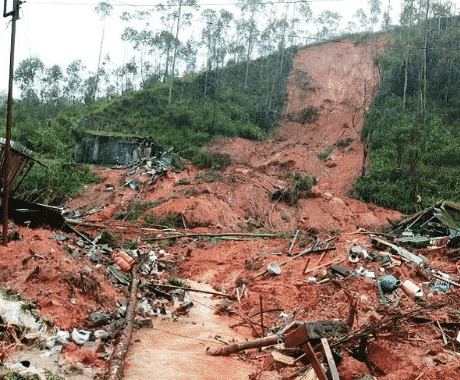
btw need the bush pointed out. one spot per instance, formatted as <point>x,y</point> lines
<point>304,116</point>
<point>171,221</point>
<point>301,188</point>
<point>56,183</point>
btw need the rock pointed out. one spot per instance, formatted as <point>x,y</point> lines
<point>144,322</point>
<point>101,334</point>
<point>80,337</point>
<point>100,318</point>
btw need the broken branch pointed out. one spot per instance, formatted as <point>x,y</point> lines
<point>237,347</point>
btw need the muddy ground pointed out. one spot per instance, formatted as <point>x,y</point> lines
<point>239,200</point>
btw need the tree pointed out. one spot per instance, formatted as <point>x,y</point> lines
<point>247,27</point>
<point>27,76</point>
<point>329,22</point>
<point>74,81</point>
<point>375,11</point>
<point>52,85</point>
<point>103,9</point>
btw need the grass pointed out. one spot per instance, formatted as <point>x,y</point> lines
<point>135,209</point>
<point>171,220</point>
<point>324,155</point>
<point>9,295</point>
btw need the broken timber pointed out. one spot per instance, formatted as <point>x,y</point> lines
<point>305,332</point>
<point>309,250</point>
<point>118,358</point>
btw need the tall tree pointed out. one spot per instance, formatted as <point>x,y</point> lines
<point>27,76</point>
<point>375,11</point>
<point>74,80</point>
<point>328,23</point>
<point>103,10</point>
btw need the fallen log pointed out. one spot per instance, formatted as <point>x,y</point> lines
<point>237,347</point>
<point>118,357</point>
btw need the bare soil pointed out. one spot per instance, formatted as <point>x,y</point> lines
<point>238,199</point>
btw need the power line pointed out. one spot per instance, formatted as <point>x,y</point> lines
<point>118,3</point>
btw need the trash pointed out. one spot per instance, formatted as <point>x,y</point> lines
<point>133,184</point>
<point>123,260</point>
<point>100,318</point>
<point>183,309</point>
<point>442,287</point>
<point>311,279</point>
<point>414,241</point>
<point>80,337</point>
<point>389,283</point>
<point>364,272</point>
<point>353,258</point>
<point>101,334</point>
<point>359,251</point>
<point>339,270</point>
<point>412,289</point>
<point>63,337</point>
<point>273,268</point>
<point>398,250</point>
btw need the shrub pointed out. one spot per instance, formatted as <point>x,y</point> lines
<point>171,220</point>
<point>301,188</point>
<point>324,155</point>
<point>304,116</point>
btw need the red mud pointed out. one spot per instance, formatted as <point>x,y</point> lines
<point>238,199</point>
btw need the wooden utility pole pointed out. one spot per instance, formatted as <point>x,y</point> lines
<point>7,152</point>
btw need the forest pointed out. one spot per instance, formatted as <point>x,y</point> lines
<point>161,91</point>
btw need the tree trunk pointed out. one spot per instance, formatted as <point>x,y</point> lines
<point>118,357</point>
<point>175,52</point>
<point>237,347</point>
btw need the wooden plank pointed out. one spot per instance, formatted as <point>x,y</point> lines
<point>330,359</point>
<point>310,354</point>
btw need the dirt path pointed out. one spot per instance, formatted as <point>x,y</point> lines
<point>176,350</point>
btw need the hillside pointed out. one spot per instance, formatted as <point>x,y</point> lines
<point>222,212</point>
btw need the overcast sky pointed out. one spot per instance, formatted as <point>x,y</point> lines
<point>59,31</point>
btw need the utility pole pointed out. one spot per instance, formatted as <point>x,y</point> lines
<point>14,12</point>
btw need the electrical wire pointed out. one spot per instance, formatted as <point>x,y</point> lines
<point>119,3</point>
<point>188,337</point>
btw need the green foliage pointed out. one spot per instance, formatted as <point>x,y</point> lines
<point>304,116</point>
<point>216,161</point>
<point>135,209</point>
<point>108,237</point>
<point>174,281</point>
<point>171,221</point>
<point>57,182</point>
<point>401,170</point>
<point>9,295</point>
<point>324,155</point>
<point>301,188</point>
